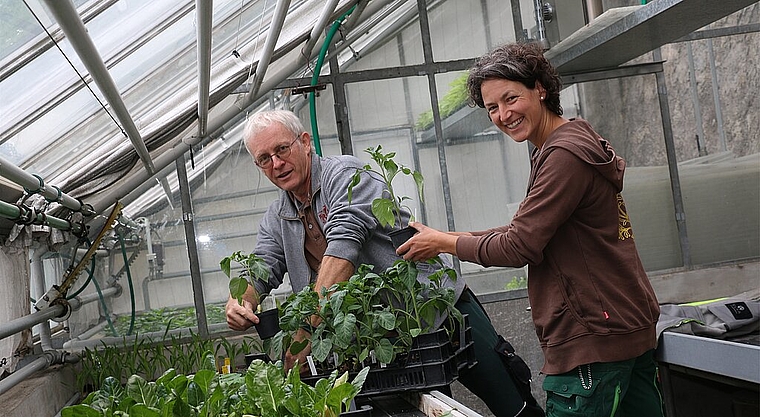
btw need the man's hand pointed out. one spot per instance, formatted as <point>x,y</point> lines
<point>240,317</point>
<point>290,359</point>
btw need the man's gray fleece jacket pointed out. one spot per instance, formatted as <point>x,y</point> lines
<point>351,231</point>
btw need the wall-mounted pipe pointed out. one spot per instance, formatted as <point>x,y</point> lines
<point>178,335</point>
<point>43,362</point>
<point>56,311</point>
<point>36,184</point>
<point>538,11</point>
<point>28,215</point>
<point>27,322</point>
<point>38,280</point>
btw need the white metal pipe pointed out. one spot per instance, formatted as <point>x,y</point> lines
<point>319,27</point>
<point>27,322</point>
<point>92,331</point>
<point>38,278</point>
<point>30,182</point>
<point>68,19</point>
<point>44,361</point>
<point>354,18</point>
<point>280,12</point>
<point>101,253</point>
<point>204,17</point>
<point>55,311</point>
<point>77,302</point>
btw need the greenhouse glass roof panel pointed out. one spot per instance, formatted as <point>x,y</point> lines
<point>56,125</point>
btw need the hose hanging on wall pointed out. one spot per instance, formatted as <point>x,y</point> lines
<point>318,68</point>
<point>131,286</point>
<point>90,273</point>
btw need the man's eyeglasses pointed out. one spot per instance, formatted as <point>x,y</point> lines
<point>282,152</point>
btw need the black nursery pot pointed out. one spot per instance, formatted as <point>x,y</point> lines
<point>252,356</point>
<point>269,323</point>
<point>399,237</point>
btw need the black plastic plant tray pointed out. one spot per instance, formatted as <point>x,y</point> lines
<point>465,357</point>
<point>410,378</point>
<point>363,411</point>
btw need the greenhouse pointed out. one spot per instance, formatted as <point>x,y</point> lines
<point>133,214</point>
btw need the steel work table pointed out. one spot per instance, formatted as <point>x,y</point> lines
<point>703,376</point>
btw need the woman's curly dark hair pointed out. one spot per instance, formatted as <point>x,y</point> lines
<point>521,62</point>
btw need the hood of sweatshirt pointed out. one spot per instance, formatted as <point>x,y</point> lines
<point>577,136</point>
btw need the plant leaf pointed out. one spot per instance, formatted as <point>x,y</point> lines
<point>383,210</point>
<point>384,351</point>
<point>140,390</point>
<point>238,287</point>
<point>224,264</point>
<point>80,410</point>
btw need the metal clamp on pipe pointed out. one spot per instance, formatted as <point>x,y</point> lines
<point>53,297</point>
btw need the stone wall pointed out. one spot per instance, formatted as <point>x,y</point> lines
<point>637,132</point>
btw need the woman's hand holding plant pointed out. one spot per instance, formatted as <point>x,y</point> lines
<point>428,243</point>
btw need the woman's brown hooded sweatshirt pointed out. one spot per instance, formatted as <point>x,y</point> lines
<point>590,297</point>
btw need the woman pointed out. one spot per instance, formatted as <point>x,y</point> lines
<point>593,306</point>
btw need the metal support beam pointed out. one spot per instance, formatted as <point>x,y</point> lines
<point>192,248</point>
<point>318,28</point>
<point>670,149</point>
<point>71,24</point>
<point>280,12</point>
<point>625,71</point>
<point>427,49</point>
<point>204,11</point>
<point>341,109</point>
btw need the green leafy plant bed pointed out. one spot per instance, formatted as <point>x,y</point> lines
<point>150,358</point>
<point>264,390</point>
<point>167,318</point>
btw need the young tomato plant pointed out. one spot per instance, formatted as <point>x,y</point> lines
<point>388,207</point>
<point>254,268</point>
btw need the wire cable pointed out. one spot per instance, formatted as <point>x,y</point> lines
<point>86,84</point>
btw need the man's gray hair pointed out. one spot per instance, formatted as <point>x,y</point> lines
<point>263,119</point>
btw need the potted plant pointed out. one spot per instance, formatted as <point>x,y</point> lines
<point>371,320</point>
<point>254,268</point>
<point>388,208</point>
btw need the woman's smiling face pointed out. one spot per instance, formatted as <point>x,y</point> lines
<point>515,109</point>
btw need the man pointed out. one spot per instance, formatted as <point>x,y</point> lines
<point>315,235</point>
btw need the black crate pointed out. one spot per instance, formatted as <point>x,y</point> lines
<point>363,411</point>
<point>410,378</point>
<point>434,361</point>
<point>465,357</point>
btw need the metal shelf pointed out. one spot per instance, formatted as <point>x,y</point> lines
<point>621,34</point>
